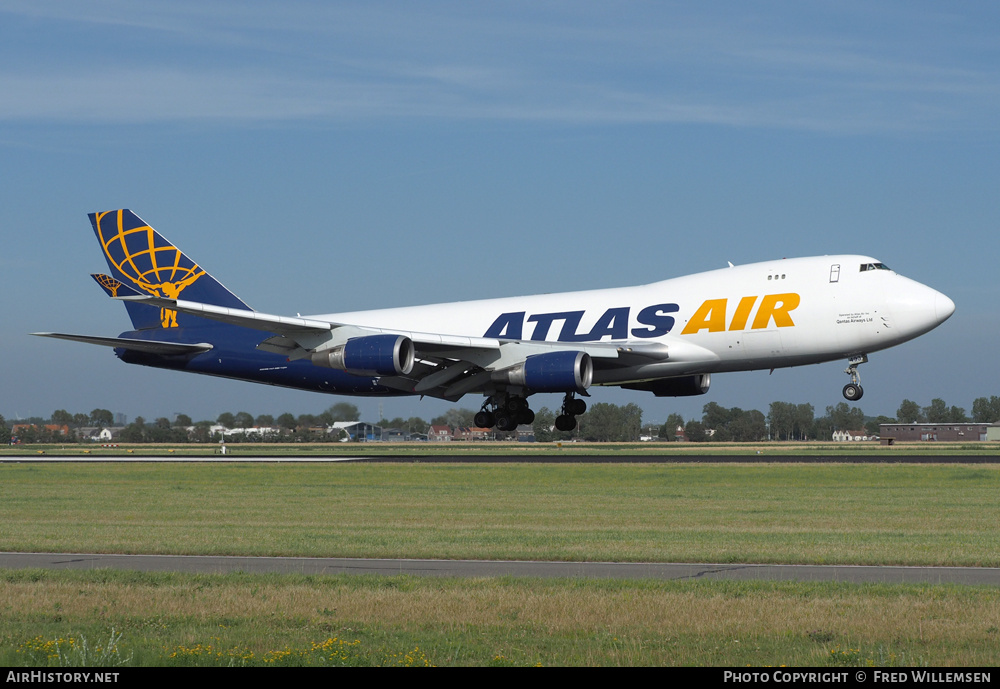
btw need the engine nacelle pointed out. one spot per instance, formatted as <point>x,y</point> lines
<point>552,372</point>
<point>684,386</point>
<point>381,355</point>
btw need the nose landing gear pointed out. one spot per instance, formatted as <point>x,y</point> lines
<point>853,390</point>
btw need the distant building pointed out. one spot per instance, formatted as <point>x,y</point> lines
<point>473,433</point>
<point>849,436</point>
<point>108,434</point>
<point>358,430</point>
<point>55,428</point>
<point>258,431</point>
<point>439,433</point>
<point>993,432</point>
<point>942,432</point>
<point>98,434</point>
<point>395,435</point>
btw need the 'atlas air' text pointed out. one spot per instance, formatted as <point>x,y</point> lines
<point>653,321</point>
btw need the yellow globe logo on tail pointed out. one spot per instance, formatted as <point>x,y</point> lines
<point>142,256</point>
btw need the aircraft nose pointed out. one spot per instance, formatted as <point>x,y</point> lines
<point>917,308</point>
<point>943,307</point>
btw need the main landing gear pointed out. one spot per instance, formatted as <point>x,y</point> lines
<point>853,390</point>
<point>572,407</point>
<point>507,413</point>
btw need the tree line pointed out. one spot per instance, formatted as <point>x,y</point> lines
<point>788,421</point>
<point>285,427</point>
<point>785,421</point>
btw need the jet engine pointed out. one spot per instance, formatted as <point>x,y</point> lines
<point>382,355</point>
<point>684,386</point>
<point>552,372</point>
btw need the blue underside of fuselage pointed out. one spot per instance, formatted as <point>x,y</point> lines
<point>234,354</point>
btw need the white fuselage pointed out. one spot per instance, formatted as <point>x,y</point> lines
<point>773,314</point>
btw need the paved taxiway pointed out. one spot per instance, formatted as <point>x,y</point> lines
<point>211,564</point>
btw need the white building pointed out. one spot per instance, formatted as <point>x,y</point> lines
<point>849,436</point>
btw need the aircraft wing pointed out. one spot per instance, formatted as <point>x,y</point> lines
<point>445,366</point>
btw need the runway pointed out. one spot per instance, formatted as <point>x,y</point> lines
<point>555,458</point>
<point>210,564</point>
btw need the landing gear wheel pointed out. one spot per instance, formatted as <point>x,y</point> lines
<point>576,406</point>
<point>506,422</point>
<point>505,412</point>
<point>853,391</point>
<point>565,422</point>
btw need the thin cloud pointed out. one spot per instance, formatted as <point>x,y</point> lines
<point>161,95</point>
<point>572,64</point>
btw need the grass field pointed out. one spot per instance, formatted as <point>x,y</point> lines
<point>829,513</point>
<point>775,513</point>
<point>238,619</point>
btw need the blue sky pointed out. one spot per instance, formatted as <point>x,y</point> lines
<point>319,157</point>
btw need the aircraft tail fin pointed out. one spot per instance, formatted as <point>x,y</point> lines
<point>114,288</point>
<point>143,262</point>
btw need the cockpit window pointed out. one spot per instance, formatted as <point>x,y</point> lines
<point>874,266</point>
